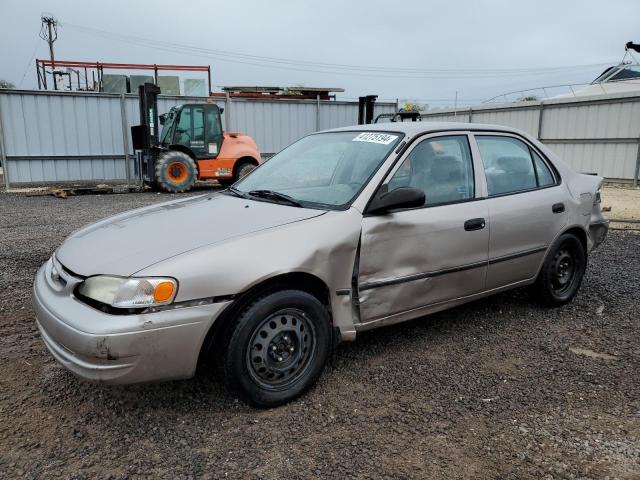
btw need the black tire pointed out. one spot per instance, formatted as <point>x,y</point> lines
<point>241,169</point>
<point>276,348</point>
<point>176,172</point>
<point>562,271</point>
<point>244,169</point>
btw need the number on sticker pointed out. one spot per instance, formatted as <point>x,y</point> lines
<point>381,138</point>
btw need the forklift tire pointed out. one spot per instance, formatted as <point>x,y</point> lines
<point>241,169</point>
<point>176,172</point>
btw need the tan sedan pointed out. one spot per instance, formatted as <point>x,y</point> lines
<point>343,231</point>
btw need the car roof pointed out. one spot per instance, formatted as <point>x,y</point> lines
<point>414,128</point>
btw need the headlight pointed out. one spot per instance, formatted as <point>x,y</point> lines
<point>129,292</point>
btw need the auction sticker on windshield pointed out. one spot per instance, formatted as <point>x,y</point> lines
<point>382,138</point>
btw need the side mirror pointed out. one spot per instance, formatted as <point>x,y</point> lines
<point>403,197</point>
<point>162,118</point>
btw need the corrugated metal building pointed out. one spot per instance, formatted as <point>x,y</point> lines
<point>77,136</point>
<point>598,134</point>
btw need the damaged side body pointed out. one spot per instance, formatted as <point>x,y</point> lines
<point>486,225</point>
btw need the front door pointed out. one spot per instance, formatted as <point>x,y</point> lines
<point>526,205</point>
<point>190,129</point>
<point>213,130</point>
<point>417,257</point>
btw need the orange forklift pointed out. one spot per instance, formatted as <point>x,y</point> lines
<point>191,145</point>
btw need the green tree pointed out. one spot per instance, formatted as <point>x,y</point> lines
<point>6,84</point>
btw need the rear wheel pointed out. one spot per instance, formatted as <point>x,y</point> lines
<point>277,348</point>
<point>241,170</point>
<point>176,172</point>
<point>561,274</point>
<point>245,169</point>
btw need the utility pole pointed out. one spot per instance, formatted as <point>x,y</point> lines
<point>49,33</point>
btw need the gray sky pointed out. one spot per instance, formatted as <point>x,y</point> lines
<point>437,38</point>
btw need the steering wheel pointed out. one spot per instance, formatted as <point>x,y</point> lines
<point>183,131</point>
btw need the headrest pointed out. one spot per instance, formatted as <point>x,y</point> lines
<point>512,164</point>
<point>420,157</point>
<point>443,166</point>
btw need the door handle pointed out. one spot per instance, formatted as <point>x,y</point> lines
<point>474,224</point>
<point>557,207</point>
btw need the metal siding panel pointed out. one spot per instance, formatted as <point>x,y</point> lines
<point>24,171</point>
<point>60,170</point>
<point>35,116</point>
<point>96,169</point>
<point>48,169</point>
<point>88,170</point>
<point>12,131</point>
<point>72,169</point>
<point>612,120</point>
<point>12,169</point>
<point>611,160</point>
<point>83,124</point>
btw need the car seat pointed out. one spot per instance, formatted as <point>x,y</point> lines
<point>517,174</point>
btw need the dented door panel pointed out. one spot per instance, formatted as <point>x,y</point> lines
<point>417,257</point>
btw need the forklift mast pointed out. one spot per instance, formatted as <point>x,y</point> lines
<point>365,109</point>
<point>145,136</point>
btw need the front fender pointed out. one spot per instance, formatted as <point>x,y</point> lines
<point>324,246</point>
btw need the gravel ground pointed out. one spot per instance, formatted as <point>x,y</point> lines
<point>497,388</point>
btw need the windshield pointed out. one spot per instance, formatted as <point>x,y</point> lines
<point>169,118</point>
<point>632,72</point>
<point>326,170</point>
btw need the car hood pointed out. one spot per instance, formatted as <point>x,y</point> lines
<point>129,242</point>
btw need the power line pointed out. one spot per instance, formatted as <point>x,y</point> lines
<point>35,49</point>
<point>322,67</point>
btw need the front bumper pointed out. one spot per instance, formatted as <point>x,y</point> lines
<point>120,349</point>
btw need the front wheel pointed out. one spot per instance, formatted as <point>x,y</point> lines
<point>561,274</point>
<point>277,348</point>
<point>176,172</point>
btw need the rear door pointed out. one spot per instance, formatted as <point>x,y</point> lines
<point>526,205</point>
<point>412,258</point>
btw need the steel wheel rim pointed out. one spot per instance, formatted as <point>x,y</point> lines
<point>177,172</point>
<point>563,270</point>
<point>280,350</point>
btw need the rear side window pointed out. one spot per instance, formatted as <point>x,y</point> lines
<point>510,165</point>
<point>545,178</point>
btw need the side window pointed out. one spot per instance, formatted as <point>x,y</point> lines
<point>198,126</point>
<point>545,178</point>
<point>441,167</point>
<point>213,122</point>
<point>507,164</point>
<point>183,130</point>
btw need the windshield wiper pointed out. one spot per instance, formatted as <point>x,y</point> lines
<point>235,192</point>
<point>277,196</point>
